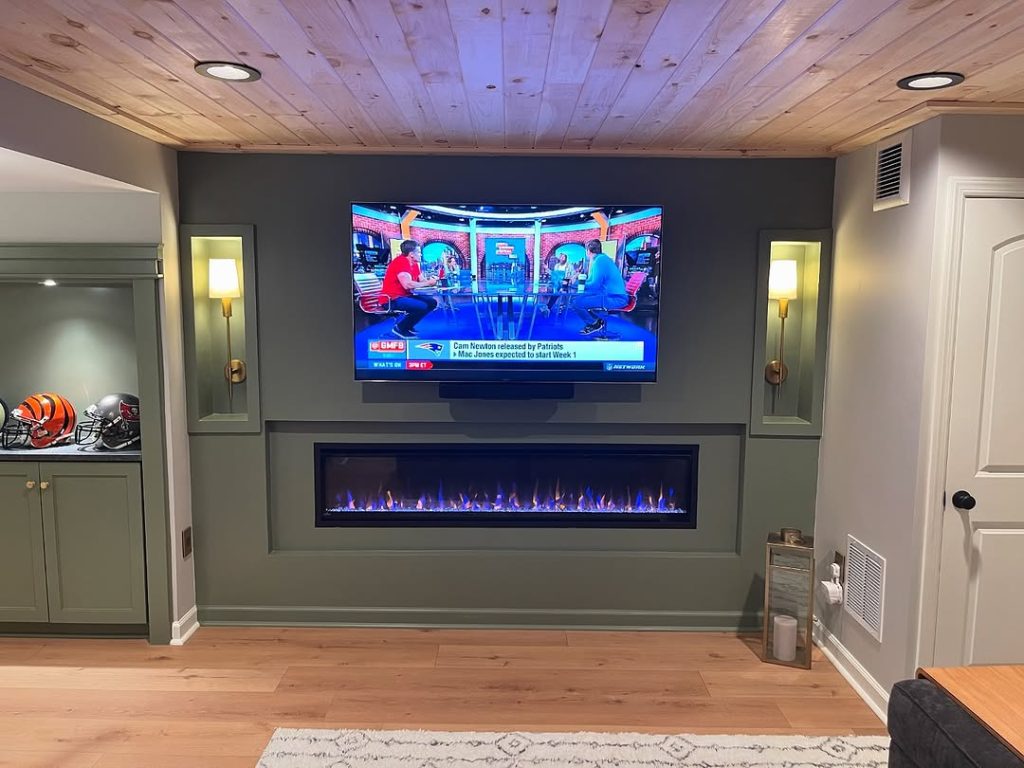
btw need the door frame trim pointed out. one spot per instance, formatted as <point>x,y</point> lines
<point>938,386</point>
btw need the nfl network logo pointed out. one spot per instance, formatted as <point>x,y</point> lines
<point>431,346</point>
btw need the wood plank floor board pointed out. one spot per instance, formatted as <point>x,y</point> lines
<point>280,708</point>
<point>677,713</point>
<point>141,678</point>
<point>66,759</point>
<point>822,681</point>
<point>233,655</point>
<point>637,639</point>
<point>131,736</point>
<point>16,650</point>
<point>214,703</point>
<point>173,761</point>
<point>810,712</point>
<point>360,637</point>
<point>594,657</point>
<point>471,683</point>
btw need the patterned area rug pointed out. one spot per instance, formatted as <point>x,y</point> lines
<point>300,748</point>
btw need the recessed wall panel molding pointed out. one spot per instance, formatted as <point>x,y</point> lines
<point>793,286</point>
<point>221,348</point>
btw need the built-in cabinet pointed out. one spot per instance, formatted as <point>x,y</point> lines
<point>72,548</point>
<point>85,535</point>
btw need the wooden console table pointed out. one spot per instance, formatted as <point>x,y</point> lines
<point>993,695</point>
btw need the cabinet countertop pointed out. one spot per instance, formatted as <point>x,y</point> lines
<point>68,453</point>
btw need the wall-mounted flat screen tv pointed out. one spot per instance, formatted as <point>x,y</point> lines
<point>506,293</point>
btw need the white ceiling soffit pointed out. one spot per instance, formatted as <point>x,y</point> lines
<point>24,173</point>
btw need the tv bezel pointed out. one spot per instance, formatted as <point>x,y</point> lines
<point>496,379</point>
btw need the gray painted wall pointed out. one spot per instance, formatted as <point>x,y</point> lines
<point>43,127</point>
<point>871,438</point>
<point>76,341</point>
<point>884,318</point>
<point>258,555</point>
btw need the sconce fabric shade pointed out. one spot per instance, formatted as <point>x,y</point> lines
<point>224,279</point>
<point>782,282</point>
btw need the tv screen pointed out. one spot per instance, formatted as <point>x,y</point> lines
<point>529,293</point>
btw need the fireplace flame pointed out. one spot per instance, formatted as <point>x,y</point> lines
<point>557,499</point>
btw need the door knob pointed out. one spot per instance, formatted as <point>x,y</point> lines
<point>44,485</point>
<point>963,500</point>
<point>30,484</point>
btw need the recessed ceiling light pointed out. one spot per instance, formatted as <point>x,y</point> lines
<point>930,81</point>
<point>49,282</point>
<point>226,70</point>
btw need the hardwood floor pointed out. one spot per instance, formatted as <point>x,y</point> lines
<point>111,703</point>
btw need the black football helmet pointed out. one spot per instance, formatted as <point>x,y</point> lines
<point>112,422</point>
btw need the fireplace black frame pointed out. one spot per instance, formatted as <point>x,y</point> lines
<point>474,519</point>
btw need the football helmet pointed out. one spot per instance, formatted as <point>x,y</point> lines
<point>112,422</point>
<point>3,414</point>
<point>42,420</point>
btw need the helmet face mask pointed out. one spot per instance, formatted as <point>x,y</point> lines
<point>88,430</point>
<point>16,434</point>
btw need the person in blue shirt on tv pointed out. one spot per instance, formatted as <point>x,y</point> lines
<point>604,289</point>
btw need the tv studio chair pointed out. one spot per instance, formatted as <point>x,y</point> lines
<point>371,300</point>
<point>632,289</point>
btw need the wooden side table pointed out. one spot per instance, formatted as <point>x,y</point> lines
<point>993,695</point>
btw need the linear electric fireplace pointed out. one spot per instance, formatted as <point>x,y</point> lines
<point>586,486</point>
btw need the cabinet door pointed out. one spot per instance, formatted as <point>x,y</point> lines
<point>22,566</point>
<point>92,521</point>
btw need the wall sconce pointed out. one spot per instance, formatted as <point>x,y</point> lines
<point>782,285</point>
<point>224,285</point>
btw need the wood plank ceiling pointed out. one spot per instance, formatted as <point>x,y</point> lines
<point>761,77</point>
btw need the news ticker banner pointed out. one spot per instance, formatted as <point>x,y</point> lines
<point>398,353</point>
<point>540,351</point>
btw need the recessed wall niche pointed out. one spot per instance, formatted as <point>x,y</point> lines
<point>219,283</point>
<point>794,272</point>
<point>73,339</point>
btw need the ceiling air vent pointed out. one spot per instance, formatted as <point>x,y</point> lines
<point>892,172</point>
<point>865,586</point>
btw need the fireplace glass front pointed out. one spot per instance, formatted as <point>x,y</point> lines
<point>578,485</point>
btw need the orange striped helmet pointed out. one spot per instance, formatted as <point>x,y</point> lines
<point>41,421</point>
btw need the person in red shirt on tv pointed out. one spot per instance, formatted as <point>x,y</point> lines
<point>401,279</point>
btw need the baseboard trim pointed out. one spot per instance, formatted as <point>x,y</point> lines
<point>477,618</point>
<point>869,689</point>
<point>185,627</point>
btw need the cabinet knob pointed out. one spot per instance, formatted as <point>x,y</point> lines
<point>30,484</point>
<point>44,485</point>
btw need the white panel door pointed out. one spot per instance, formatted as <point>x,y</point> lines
<point>981,581</point>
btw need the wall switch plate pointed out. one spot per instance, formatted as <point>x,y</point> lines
<point>186,542</point>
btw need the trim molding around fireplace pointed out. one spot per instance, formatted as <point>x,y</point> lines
<point>540,485</point>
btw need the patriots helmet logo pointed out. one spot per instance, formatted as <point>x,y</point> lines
<point>431,346</point>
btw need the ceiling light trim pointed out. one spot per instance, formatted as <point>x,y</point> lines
<point>228,71</point>
<point>930,81</point>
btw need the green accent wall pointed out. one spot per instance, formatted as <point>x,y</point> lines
<point>259,556</point>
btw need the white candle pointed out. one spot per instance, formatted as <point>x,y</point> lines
<point>784,638</point>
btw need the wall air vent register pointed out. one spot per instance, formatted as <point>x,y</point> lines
<point>892,172</point>
<point>865,586</point>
